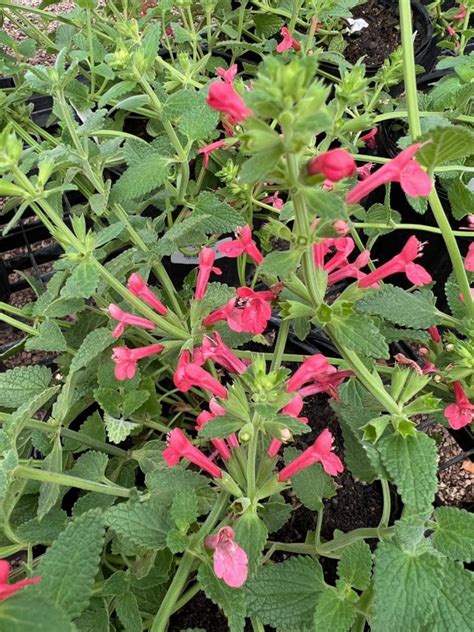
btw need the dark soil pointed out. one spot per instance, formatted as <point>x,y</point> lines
<point>376,42</point>
<point>200,613</point>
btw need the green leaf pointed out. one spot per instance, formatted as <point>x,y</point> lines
<point>399,307</point>
<point>165,483</point>
<point>312,484</point>
<point>275,513</point>
<point>69,566</point>
<point>281,264</point>
<point>355,565</point>
<point>83,281</point>
<point>230,600</point>
<point>43,531</point>
<point>91,466</point>
<point>454,533</point>
<point>251,533</point>
<point>140,179</point>
<point>461,199</point>
<point>184,509</point>
<point>216,215</point>
<point>93,345</point>
<point>145,524</point>
<point>333,613</point>
<point>95,618</point>
<point>420,591</point>
<point>195,119</point>
<point>325,204</point>
<point>118,429</point>
<point>284,595</point>
<point>412,464</point>
<point>260,165</point>
<point>127,611</point>
<point>22,383</point>
<point>50,338</point>
<point>115,91</point>
<point>133,401</point>
<point>267,24</point>
<point>49,491</point>
<point>221,427</point>
<point>361,334</point>
<point>92,427</point>
<point>27,612</point>
<point>447,143</point>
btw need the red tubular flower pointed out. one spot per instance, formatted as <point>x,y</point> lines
<point>248,311</point>
<point>208,149</point>
<point>403,262</point>
<point>334,165</point>
<point>230,559</point>
<point>275,201</point>
<point>434,334</point>
<point>287,42</point>
<point>460,413</point>
<point>365,171</point>
<point>189,374</point>
<point>138,287</point>
<point>469,260</point>
<point>214,348</point>
<point>462,12</point>
<point>243,244</point>
<point>324,378</point>
<point>126,359</point>
<point>207,257</point>
<point>228,75</point>
<point>320,451</point>
<point>344,247</point>
<point>403,169</point>
<point>124,319</point>
<point>350,270</point>
<point>370,139</point>
<point>341,227</point>
<point>6,589</point>
<point>223,98</point>
<point>180,447</point>
<point>293,409</point>
<point>309,370</point>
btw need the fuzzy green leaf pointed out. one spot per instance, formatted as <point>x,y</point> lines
<point>454,533</point>
<point>140,179</point>
<point>184,233</point>
<point>118,429</point>
<point>83,281</point>
<point>91,466</point>
<point>412,464</point>
<point>217,216</point>
<point>184,509</point>
<point>275,513</point>
<point>333,613</point>
<point>399,307</point>
<point>27,612</point>
<point>127,611</point>
<point>144,524</point>
<point>461,199</point>
<point>281,264</point>
<point>43,531</point>
<point>447,143</point>
<point>231,600</point>
<point>69,566</point>
<point>325,204</point>
<point>50,338</point>
<point>355,565</point>
<point>93,345</point>
<point>221,427</point>
<point>251,533</point>
<point>22,383</point>
<point>284,595</point>
<point>312,484</point>
<point>360,334</point>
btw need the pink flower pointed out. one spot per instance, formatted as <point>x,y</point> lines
<point>365,171</point>
<point>462,12</point>
<point>335,165</point>
<point>126,359</point>
<point>401,263</point>
<point>350,270</point>
<point>470,223</point>
<point>124,319</point>
<point>434,334</point>
<point>469,261</point>
<point>213,348</point>
<point>324,378</point>
<point>207,257</point>
<point>230,559</point>
<point>275,201</point>
<point>459,414</point>
<point>403,169</point>
<point>223,98</point>
<point>287,42</point>
<point>243,244</point>
<point>138,287</point>
<point>293,409</point>
<point>221,446</point>
<point>451,31</point>
<point>341,227</point>
<point>169,30</point>
<point>320,451</point>
<point>248,311</point>
<point>189,374</point>
<point>6,590</point>
<point>208,149</point>
<point>370,139</point>
<point>180,447</point>
<point>227,75</point>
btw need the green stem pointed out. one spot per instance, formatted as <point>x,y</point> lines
<point>91,51</point>
<point>415,131</point>
<point>280,345</point>
<point>252,464</point>
<point>180,578</point>
<point>31,474</point>
<point>422,227</point>
<point>18,324</point>
<point>387,503</point>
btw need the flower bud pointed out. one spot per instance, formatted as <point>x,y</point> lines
<point>333,165</point>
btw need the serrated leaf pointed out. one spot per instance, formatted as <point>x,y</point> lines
<point>92,500</point>
<point>325,204</point>
<point>184,233</point>
<point>275,513</point>
<point>133,401</point>
<point>140,179</point>
<point>312,484</point>
<point>83,281</point>
<point>93,345</point>
<point>454,533</point>
<point>43,531</point>
<point>22,383</point>
<point>284,595</point>
<point>184,508</point>
<point>267,24</point>
<point>360,334</point>
<point>164,483</point>
<point>221,427</point>
<point>91,466</point>
<point>260,166</point>
<point>26,611</point>
<point>95,618</point>
<point>176,541</point>
<point>399,307</point>
<point>447,143</point>
<point>92,427</point>
<point>127,611</point>
<point>49,491</point>
<point>195,119</point>
<point>50,338</point>
<point>217,216</point>
<point>412,464</point>
<point>355,565</point>
<point>334,613</point>
<point>144,524</point>
<point>69,566</point>
<point>231,600</point>
<point>461,199</point>
<point>117,428</point>
<point>251,533</point>
<point>281,264</point>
